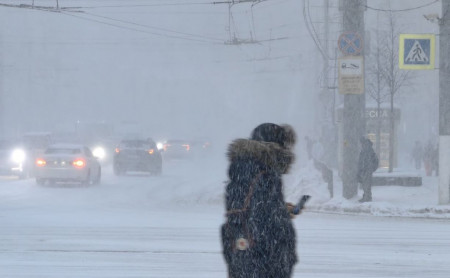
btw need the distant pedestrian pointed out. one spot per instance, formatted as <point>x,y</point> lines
<point>258,238</point>
<point>367,165</point>
<point>417,155</point>
<point>327,175</point>
<point>317,151</point>
<point>428,157</point>
<point>436,159</point>
<point>318,154</point>
<point>309,147</point>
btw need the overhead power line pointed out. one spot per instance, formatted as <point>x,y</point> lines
<point>187,36</point>
<point>142,5</point>
<point>79,13</point>
<point>138,30</point>
<point>152,27</point>
<point>104,6</point>
<point>311,30</point>
<point>401,10</point>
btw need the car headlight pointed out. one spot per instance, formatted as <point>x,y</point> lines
<point>99,152</point>
<point>159,146</point>
<point>18,156</point>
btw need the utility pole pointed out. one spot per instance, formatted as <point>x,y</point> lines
<point>325,46</point>
<point>2,110</point>
<point>354,106</point>
<point>325,94</point>
<point>444,105</point>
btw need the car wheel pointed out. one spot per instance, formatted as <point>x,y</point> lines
<point>25,174</point>
<point>156,171</point>
<point>118,170</point>
<point>87,180</point>
<point>40,181</point>
<point>22,176</point>
<point>99,176</point>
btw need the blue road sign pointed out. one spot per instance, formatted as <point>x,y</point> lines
<point>416,51</point>
<point>350,43</point>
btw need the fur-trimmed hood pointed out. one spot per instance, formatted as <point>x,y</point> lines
<point>271,155</point>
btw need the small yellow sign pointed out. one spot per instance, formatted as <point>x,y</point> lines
<point>416,51</point>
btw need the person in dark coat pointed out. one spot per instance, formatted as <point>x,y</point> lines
<point>367,164</point>
<point>417,154</point>
<point>258,238</point>
<point>428,153</point>
<point>309,147</point>
<point>436,159</point>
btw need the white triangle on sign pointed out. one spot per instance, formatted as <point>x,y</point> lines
<point>416,54</point>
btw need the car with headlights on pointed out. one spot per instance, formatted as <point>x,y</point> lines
<point>185,149</point>
<point>178,149</point>
<point>14,160</point>
<point>137,155</point>
<point>67,163</point>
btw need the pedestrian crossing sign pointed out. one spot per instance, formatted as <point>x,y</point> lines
<point>416,51</point>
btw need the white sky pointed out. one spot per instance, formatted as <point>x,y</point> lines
<point>164,65</point>
<point>59,68</point>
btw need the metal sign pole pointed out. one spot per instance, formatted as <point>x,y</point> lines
<point>354,106</point>
<point>444,105</point>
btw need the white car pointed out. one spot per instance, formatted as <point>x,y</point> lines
<point>68,163</point>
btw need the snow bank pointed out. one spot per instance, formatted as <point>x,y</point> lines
<point>387,200</point>
<point>207,186</point>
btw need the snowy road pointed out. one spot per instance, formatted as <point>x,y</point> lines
<point>140,226</point>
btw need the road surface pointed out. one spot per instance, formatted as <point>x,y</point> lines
<point>140,226</point>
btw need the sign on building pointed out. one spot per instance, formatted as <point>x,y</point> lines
<point>416,51</point>
<point>351,75</point>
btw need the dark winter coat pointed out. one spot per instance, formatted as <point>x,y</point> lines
<point>256,211</point>
<point>368,161</point>
<point>417,152</point>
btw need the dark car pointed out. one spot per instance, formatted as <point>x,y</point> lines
<point>177,149</point>
<point>185,149</point>
<point>137,155</point>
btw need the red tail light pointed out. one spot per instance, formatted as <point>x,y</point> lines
<point>117,150</point>
<point>40,162</point>
<point>187,147</point>
<point>79,163</point>
<point>151,151</point>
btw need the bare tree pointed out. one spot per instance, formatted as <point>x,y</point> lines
<point>376,84</point>
<point>395,79</point>
<point>386,79</point>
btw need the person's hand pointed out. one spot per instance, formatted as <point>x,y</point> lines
<point>290,208</point>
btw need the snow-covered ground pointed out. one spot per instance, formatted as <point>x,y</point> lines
<point>391,200</point>
<point>168,226</point>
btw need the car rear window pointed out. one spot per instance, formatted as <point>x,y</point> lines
<point>137,144</point>
<point>178,142</point>
<point>62,151</point>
